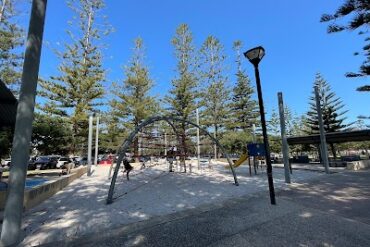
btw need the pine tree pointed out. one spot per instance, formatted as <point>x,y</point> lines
<point>358,13</point>
<point>216,95</point>
<point>293,127</point>
<point>243,108</point>
<point>183,95</point>
<point>112,133</point>
<point>74,93</point>
<point>133,103</point>
<point>50,135</point>
<point>11,40</point>
<point>332,111</point>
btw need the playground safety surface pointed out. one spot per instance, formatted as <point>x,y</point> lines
<point>202,209</point>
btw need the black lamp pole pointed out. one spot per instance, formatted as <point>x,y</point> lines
<point>255,62</point>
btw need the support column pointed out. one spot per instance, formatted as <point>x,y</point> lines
<point>198,141</point>
<point>89,146</point>
<point>324,148</point>
<point>254,133</point>
<point>11,233</point>
<point>96,141</point>
<point>283,138</point>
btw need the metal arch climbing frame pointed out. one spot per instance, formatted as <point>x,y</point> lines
<point>126,144</point>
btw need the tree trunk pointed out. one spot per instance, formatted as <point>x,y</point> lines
<point>136,149</point>
<point>88,33</point>
<point>2,10</point>
<point>319,151</point>
<point>74,138</point>
<point>333,150</point>
<point>183,149</point>
<point>215,146</point>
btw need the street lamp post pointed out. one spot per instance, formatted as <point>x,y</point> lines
<point>255,55</point>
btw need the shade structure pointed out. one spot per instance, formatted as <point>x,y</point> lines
<point>332,137</point>
<point>8,106</point>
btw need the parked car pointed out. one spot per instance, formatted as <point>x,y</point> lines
<point>80,161</point>
<point>62,161</point>
<point>46,162</point>
<point>31,163</point>
<point>6,162</point>
<point>101,157</point>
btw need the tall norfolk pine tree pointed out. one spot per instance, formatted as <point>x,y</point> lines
<point>243,107</point>
<point>74,92</point>
<point>11,59</point>
<point>182,97</point>
<point>133,103</point>
<point>11,40</point>
<point>216,97</point>
<point>332,111</point>
<point>358,14</point>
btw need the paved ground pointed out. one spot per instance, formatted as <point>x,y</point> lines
<point>311,167</point>
<point>331,210</point>
<point>80,208</point>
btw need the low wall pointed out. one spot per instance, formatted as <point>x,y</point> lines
<point>358,165</point>
<point>38,194</point>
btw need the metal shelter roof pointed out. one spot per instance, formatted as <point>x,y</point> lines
<point>8,106</point>
<point>334,137</point>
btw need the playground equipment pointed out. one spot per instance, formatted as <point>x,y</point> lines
<point>241,160</point>
<point>170,120</point>
<point>255,152</point>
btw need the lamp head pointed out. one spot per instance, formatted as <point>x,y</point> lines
<point>255,55</point>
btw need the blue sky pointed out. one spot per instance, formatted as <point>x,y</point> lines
<point>296,43</point>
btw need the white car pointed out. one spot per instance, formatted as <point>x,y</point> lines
<point>62,161</point>
<point>6,162</point>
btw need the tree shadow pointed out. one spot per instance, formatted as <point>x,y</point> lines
<point>81,207</point>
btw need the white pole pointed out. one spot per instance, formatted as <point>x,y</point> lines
<point>96,141</point>
<point>198,140</point>
<point>12,221</point>
<point>324,149</point>
<point>89,147</point>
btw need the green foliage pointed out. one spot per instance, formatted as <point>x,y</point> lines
<point>358,14</point>
<point>294,126</point>
<point>51,135</point>
<point>112,134</point>
<point>216,95</point>
<point>243,108</point>
<point>332,111</point>
<point>183,95</point>
<point>236,142</point>
<point>182,98</point>
<point>133,103</point>
<point>362,123</point>
<point>75,92</point>
<point>365,88</point>
<point>11,40</point>
<point>331,106</point>
<point>6,137</point>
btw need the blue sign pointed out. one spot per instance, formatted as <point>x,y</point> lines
<point>256,149</point>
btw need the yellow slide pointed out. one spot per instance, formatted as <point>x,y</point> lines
<point>240,161</point>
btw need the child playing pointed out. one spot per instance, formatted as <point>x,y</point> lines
<point>128,168</point>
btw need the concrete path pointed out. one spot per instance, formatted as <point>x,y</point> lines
<point>331,210</point>
<point>310,167</point>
